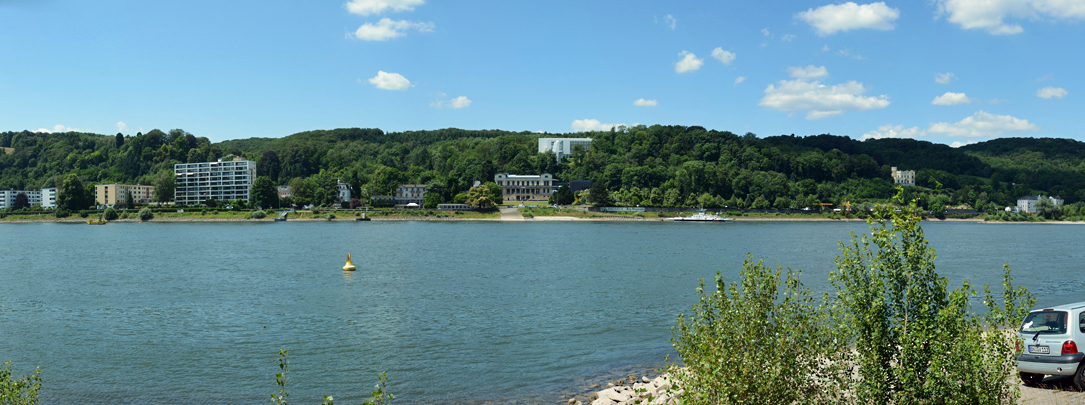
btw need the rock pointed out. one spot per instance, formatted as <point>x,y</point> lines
<point>573,401</point>
<point>602,401</point>
<point>610,385</point>
<point>593,396</point>
<point>594,387</point>
<point>614,395</point>
<point>645,379</point>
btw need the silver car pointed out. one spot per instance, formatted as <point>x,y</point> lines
<point>1050,340</point>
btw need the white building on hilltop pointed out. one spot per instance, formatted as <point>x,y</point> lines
<point>563,147</point>
<point>516,187</point>
<point>903,177</point>
<point>199,182</point>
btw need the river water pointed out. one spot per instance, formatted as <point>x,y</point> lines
<point>454,312</point>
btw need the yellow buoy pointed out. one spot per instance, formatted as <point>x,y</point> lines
<point>349,266</point>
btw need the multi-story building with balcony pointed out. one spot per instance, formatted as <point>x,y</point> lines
<point>515,187</point>
<point>7,197</point>
<point>563,147</point>
<point>221,180</point>
<point>410,194</point>
<point>116,195</point>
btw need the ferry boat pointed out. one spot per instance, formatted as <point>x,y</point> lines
<point>701,217</point>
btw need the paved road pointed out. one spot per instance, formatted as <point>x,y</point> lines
<point>511,214</point>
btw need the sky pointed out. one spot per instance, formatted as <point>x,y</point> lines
<point>947,71</point>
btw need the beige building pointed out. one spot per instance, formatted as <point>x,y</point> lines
<point>903,177</point>
<point>116,195</point>
<point>410,194</point>
<point>515,187</point>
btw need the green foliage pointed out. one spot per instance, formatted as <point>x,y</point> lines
<point>915,334</point>
<point>480,197</point>
<point>145,214</point>
<point>762,340</point>
<point>19,391</point>
<point>110,214</point>
<point>72,195</point>
<point>380,396</point>
<point>259,214</point>
<point>263,193</point>
<point>62,213</point>
<point>563,196</point>
<point>21,202</point>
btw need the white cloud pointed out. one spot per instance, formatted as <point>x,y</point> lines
<point>788,38</point>
<point>943,78</point>
<point>386,29</point>
<point>988,15</point>
<point>1048,92</point>
<point>57,129</point>
<point>997,101</point>
<point>957,144</point>
<point>688,63</point>
<point>951,98</point>
<point>459,102</point>
<point>766,32</point>
<point>390,81</point>
<point>592,125</point>
<point>739,79</point>
<point>808,72</point>
<point>983,123</point>
<point>644,103</point>
<point>820,100</point>
<point>825,48</point>
<point>890,131</point>
<point>670,21</point>
<point>367,7</point>
<point>832,18</point>
<point>122,127</point>
<point>723,56</point>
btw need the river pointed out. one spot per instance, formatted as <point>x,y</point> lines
<point>454,312</point>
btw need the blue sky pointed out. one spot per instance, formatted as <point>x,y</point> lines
<point>948,71</point>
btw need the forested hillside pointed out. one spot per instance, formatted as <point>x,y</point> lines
<point>655,166</point>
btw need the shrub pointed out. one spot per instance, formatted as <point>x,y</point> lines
<point>528,214</point>
<point>19,391</point>
<point>59,213</point>
<point>145,214</point>
<point>110,214</point>
<point>331,216</point>
<point>124,215</point>
<point>83,213</point>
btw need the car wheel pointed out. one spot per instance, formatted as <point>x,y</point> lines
<point>1079,379</point>
<point>1032,379</point>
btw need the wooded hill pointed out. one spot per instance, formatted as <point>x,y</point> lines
<point>653,166</point>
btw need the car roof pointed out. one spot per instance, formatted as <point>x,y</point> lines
<point>1063,307</point>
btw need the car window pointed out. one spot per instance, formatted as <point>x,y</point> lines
<point>1081,322</point>
<point>1045,322</point>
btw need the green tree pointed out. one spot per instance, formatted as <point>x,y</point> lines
<point>72,196</point>
<point>21,201</point>
<point>164,185</point>
<point>119,140</point>
<point>19,391</point>
<point>1047,208</point>
<point>145,214</point>
<point>564,196</point>
<point>495,192</point>
<point>110,214</point>
<point>432,199</point>
<point>480,198</point>
<point>263,192</point>
<point>598,195</point>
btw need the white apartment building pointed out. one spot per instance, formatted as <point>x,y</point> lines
<point>515,187</point>
<point>410,193</point>
<point>7,197</point>
<point>903,177</point>
<point>563,147</point>
<point>49,198</point>
<point>1028,203</point>
<point>198,182</point>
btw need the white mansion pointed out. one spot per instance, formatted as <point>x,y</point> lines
<point>516,187</point>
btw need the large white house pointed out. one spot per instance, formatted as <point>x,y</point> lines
<point>199,182</point>
<point>903,177</point>
<point>563,147</point>
<point>46,197</point>
<point>1028,203</point>
<point>515,187</point>
<point>410,194</point>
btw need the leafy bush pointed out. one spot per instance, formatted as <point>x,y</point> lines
<point>59,213</point>
<point>110,214</point>
<point>528,214</point>
<point>83,213</point>
<point>259,214</point>
<point>145,214</point>
<point>124,215</point>
<point>21,391</point>
<point>745,343</point>
<point>889,331</point>
<point>331,216</point>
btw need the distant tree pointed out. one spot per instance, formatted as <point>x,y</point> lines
<point>145,214</point>
<point>128,201</point>
<point>120,140</point>
<point>355,203</point>
<point>564,196</point>
<point>480,198</point>
<point>72,196</point>
<point>21,201</point>
<point>111,214</point>
<point>432,199</point>
<point>269,165</point>
<point>598,194</point>
<point>263,192</point>
<point>460,198</point>
<point>164,185</point>
<point>495,192</point>
<point>1047,208</point>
